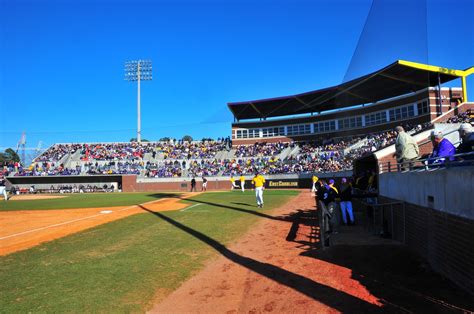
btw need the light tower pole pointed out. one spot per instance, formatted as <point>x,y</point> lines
<point>138,70</point>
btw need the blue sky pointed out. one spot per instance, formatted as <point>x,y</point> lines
<point>61,62</point>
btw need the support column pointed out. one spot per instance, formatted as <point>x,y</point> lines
<point>139,131</point>
<point>464,89</point>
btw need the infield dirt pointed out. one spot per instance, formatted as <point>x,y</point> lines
<point>20,230</point>
<point>32,197</point>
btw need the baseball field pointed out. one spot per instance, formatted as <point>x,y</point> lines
<point>114,252</point>
<point>212,252</point>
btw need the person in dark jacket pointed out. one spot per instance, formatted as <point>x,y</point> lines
<point>327,195</point>
<point>193,184</point>
<point>320,191</point>
<point>324,214</point>
<point>345,194</point>
<point>332,192</point>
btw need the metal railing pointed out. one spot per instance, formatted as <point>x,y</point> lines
<point>385,219</point>
<point>429,163</point>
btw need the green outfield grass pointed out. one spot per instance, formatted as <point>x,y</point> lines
<point>127,265</point>
<point>84,201</point>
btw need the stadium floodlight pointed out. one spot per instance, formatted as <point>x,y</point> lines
<point>138,70</point>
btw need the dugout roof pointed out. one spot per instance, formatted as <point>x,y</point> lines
<point>399,78</point>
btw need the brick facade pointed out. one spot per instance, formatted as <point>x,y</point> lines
<point>130,184</point>
<point>450,98</point>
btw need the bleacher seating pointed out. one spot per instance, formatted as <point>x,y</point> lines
<point>186,159</point>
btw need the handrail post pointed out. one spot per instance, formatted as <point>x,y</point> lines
<point>391,218</point>
<point>404,223</point>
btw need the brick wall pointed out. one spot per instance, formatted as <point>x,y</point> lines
<point>130,184</point>
<point>444,240</point>
<point>456,110</point>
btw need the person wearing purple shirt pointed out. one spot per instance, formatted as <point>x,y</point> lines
<point>443,149</point>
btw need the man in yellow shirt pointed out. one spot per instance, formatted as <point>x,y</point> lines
<point>259,182</point>
<point>242,182</point>
<point>232,181</point>
<point>314,179</point>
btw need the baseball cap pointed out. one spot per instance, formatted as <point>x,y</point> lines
<point>331,181</point>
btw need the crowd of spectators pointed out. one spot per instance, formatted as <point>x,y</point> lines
<point>116,151</point>
<point>206,168</point>
<point>374,143</point>
<point>65,188</point>
<point>114,167</point>
<point>327,145</point>
<point>172,149</point>
<point>164,169</point>
<point>46,169</point>
<point>261,149</point>
<point>461,118</point>
<point>8,168</point>
<point>377,141</point>
<point>301,163</point>
<point>58,151</point>
<point>172,158</point>
<point>190,150</point>
<point>327,161</point>
<point>197,159</point>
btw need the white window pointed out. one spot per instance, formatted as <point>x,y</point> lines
<point>299,129</point>
<point>375,118</point>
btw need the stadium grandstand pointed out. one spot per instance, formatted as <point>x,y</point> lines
<point>237,156</point>
<point>342,131</point>
<point>326,132</point>
<point>402,92</point>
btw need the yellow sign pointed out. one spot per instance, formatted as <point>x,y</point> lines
<point>283,183</point>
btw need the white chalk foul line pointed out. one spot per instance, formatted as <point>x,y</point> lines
<point>72,221</point>
<point>184,209</point>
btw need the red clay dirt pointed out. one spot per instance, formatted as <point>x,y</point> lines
<point>28,197</point>
<point>279,266</point>
<point>20,230</point>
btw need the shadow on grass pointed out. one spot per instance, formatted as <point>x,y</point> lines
<point>243,210</point>
<point>287,218</point>
<point>244,204</point>
<point>302,217</point>
<point>333,298</point>
<point>165,195</point>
